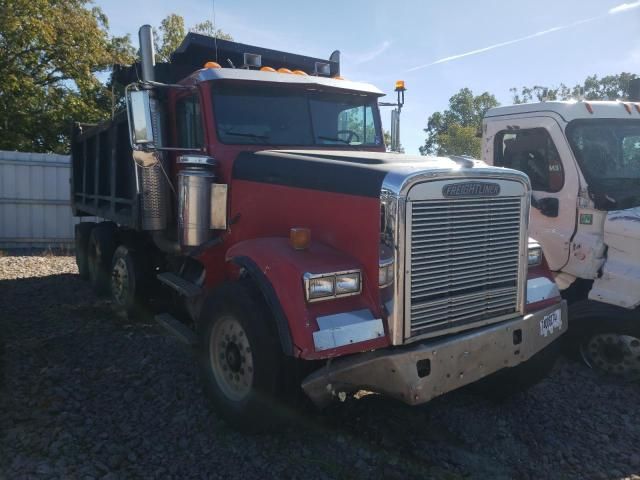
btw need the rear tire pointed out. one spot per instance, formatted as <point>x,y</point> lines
<point>100,251</point>
<point>508,382</point>
<point>240,359</point>
<point>82,233</point>
<point>128,282</point>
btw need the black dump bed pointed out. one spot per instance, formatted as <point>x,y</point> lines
<point>103,172</point>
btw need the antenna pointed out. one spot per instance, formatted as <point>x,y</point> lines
<point>215,32</point>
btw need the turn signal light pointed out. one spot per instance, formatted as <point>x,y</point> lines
<point>300,238</point>
<point>267,69</point>
<point>212,65</point>
<point>284,70</point>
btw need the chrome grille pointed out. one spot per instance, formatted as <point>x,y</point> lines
<point>464,261</point>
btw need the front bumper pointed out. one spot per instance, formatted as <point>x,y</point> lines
<point>416,373</point>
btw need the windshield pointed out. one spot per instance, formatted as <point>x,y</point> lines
<point>608,152</point>
<point>267,115</point>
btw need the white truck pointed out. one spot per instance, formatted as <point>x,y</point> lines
<point>583,159</point>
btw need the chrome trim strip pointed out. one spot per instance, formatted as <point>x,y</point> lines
<point>395,189</point>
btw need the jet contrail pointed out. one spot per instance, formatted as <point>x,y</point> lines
<point>620,8</point>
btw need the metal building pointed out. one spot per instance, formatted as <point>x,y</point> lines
<point>35,208</point>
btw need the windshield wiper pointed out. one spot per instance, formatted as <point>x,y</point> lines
<point>248,135</point>
<point>334,139</point>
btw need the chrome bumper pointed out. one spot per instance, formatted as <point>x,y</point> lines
<point>419,372</point>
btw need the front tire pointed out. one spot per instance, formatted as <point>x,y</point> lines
<point>606,338</point>
<point>240,359</point>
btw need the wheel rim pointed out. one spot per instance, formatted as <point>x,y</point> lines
<point>231,358</point>
<point>120,281</point>
<point>613,353</point>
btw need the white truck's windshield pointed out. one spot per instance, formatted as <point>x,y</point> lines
<point>608,151</point>
<point>267,115</point>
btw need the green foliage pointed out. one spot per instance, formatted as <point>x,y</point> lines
<point>207,28</point>
<point>170,36</point>
<point>453,131</point>
<point>610,87</point>
<point>50,52</point>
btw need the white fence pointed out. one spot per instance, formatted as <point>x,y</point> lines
<point>35,209</point>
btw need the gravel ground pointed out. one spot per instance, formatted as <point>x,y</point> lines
<point>89,394</point>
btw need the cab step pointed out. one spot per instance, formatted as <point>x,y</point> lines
<point>179,284</point>
<point>176,328</point>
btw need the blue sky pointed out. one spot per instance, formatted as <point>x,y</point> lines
<point>437,47</point>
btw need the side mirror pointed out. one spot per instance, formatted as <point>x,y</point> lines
<point>139,112</point>
<point>548,206</point>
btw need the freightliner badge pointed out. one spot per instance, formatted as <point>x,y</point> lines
<point>471,189</point>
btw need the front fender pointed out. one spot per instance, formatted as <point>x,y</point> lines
<point>277,267</point>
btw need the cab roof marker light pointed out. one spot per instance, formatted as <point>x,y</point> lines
<point>267,69</point>
<point>252,60</point>
<point>589,107</point>
<point>212,65</point>
<point>300,72</point>
<point>284,70</point>
<point>322,68</point>
<point>627,107</point>
<point>637,107</point>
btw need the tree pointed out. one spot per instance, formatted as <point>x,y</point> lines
<point>50,53</point>
<point>172,32</point>
<point>207,28</point>
<point>454,131</point>
<point>610,87</point>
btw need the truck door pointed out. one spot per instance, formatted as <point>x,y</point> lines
<point>537,146</point>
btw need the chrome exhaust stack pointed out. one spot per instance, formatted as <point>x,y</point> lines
<point>147,53</point>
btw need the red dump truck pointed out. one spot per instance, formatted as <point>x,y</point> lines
<point>251,188</point>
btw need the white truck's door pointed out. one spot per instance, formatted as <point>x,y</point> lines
<point>538,147</point>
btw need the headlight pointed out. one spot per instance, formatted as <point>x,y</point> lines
<point>385,273</point>
<point>347,283</point>
<point>325,286</point>
<point>535,255</point>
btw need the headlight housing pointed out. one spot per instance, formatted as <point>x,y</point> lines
<point>325,286</point>
<point>385,273</point>
<point>535,254</point>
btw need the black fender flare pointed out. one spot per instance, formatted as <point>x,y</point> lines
<point>269,294</point>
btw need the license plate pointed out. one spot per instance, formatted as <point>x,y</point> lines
<point>550,323</point>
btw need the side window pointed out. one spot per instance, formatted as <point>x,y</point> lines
<point>189,122</point>
<point>358,124</point>
<point>533,152</point>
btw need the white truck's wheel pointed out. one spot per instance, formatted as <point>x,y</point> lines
<point>613,353</point>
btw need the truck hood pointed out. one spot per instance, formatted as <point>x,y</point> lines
<point>350,172</point>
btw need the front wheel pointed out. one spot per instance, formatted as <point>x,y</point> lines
<point>606,338</point>
<point>240,359</point>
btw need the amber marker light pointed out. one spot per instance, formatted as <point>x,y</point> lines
<point>284,70</point>
<point>212,65</point>
<point>627,107</point>
<point>589,107</point>
<point>300,72</point>
<point>400,85</point>
<point>337,77</point>
<point>267,69</point>
<point>300,238</point>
